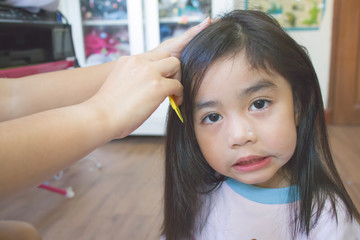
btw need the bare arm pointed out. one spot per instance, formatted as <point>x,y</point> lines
<point>35,147</point>
<point>27,95</point>
<point>23,96</point>
<point>41,139</point>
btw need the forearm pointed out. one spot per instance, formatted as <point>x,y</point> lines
<point>48,121</point>
<point>35,147</point>
<point>36,93</point>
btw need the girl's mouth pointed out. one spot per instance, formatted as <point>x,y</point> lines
<point>251,163</point>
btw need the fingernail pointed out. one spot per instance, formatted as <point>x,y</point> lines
<point>204,23</point>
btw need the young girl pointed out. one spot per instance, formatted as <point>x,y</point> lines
<point>252,159</point>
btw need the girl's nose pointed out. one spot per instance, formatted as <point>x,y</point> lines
<point>240,132</point>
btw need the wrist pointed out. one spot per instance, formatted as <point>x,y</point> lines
<point>105,120</point>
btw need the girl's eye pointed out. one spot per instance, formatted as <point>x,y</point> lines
<point>212,118</point>
<point>259,104</point>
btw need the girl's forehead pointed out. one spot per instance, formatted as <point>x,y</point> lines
<point>232,59</point>
<point>232,67</point>
<point>235,74</point>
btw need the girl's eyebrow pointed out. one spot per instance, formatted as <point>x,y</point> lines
<point>201,105</point>
<point>260,85</point>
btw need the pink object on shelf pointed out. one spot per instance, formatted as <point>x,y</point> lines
<point>98,42</point>
<point>94,43</point>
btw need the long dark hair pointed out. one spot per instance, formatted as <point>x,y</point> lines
<point>267,47</point>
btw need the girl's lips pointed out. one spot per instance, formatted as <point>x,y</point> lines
<point>251,163</point>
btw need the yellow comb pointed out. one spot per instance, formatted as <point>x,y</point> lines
<point>176,108</point>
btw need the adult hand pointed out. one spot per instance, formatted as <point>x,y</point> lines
<point>135,88</point>
<point>75,111</point>
<point>139,84</point>
<point>176,45</point>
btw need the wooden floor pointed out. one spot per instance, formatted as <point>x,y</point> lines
<point>123,200</point>
<point>345,144</point>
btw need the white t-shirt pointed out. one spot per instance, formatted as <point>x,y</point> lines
<point>240,211</point>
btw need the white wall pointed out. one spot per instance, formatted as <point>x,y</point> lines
<point>318,43</point>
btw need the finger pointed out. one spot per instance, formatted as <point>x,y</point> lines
<point>169,67</point>
<point>190,34</point>
<point>173,88</point>
<point>155,56</point>
<point>204,24</point>
<point>176,45</point>
<point>178,99</point>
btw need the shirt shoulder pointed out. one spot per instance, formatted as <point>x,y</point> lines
<point>339,227</point>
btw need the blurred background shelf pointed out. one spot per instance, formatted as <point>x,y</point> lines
<point>105,22</point>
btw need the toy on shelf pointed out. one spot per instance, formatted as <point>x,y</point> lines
<point>106,43</point>
<point>103,9</point>
<point>178,16</point>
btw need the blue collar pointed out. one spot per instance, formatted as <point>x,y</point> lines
<point>263,195</point>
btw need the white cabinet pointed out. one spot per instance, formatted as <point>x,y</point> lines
<point>104,30</point>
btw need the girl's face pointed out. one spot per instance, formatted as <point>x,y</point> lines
<point>244,122</point>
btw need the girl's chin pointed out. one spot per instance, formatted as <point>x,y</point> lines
<point>264,181</point>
